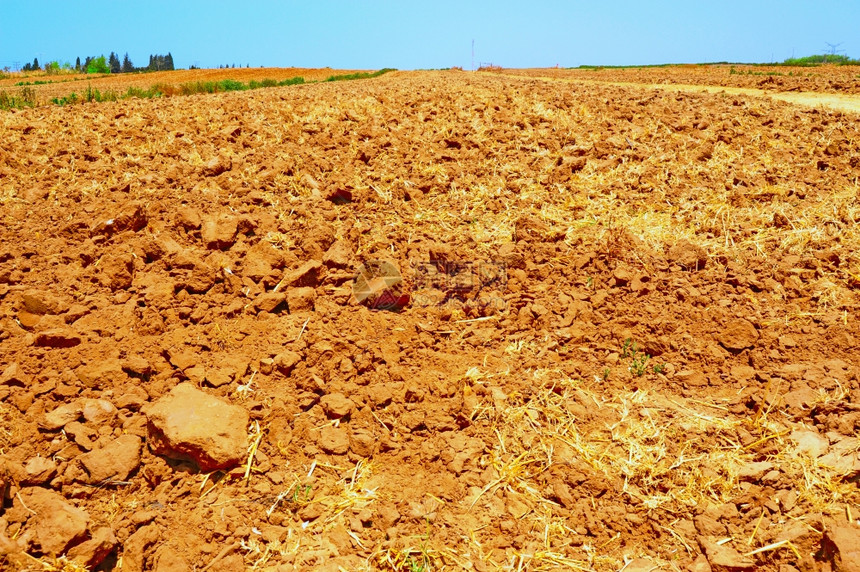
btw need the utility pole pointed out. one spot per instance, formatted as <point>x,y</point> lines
<point>833,48</point>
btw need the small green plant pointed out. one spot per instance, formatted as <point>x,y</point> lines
<point>639,365</point>
<point>659,368</point>
<point>639,360</point>
<point>302,494</point>
<point>69,99</point>
<point>604,375</point>
<point>28,96</point>
<point>92,94</point>
<point>629,348</point>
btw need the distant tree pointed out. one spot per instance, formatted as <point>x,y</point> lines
<point>27,67</point>
<point>127,66</point>
<point>78,64</point>
<point>98,65</point>
<point>168,62</point>
<point>113,63</point>
<point>35,66</point>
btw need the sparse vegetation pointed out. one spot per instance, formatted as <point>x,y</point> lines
<point>359,75</point>
<point>163,89</point>
<point>820,59</point>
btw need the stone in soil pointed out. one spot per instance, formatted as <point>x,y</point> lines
<point>98,411</point>
<point>269,301</point>
<point>58,525</point>
<point>113,462</point>
<point>737,335</point>
<point>338,255</point>
<point>117,271</point>
<point>189,424</point>
<point>336,405</point>
<point>305,275</point>
<point>41,303</point>
<point>39,470</point>
<point>219,233</point>
<point>688,256</point>
<point>58,338</point>
<point>841,546</point>
<point>14,375</point>
<point>334,440</point>
<point>301,299</point>
<point>92,552</point>
<point>723,558</point>
<point>61,416</point>
<point>286,361</point>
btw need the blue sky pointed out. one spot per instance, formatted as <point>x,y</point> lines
<point>412,35</point>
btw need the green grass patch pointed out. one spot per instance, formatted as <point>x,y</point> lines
<point>26,98</point>
<point>820,59</point>
<point>359,75</point>
<point>142,93</point>
<point>36,82</point>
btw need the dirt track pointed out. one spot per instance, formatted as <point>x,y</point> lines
<point>629,329</point>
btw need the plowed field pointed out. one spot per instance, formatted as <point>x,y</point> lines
<point>56,86</point>
<point>625,335</point>
<point>823,79</point>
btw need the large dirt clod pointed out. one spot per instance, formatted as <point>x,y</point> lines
<point>189,424</point>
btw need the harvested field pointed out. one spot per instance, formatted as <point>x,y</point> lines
<point>844,79</point>
<point>625,337</point>
<point>63,85</point>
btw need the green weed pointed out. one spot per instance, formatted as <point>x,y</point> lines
<point>639,365</point>
<point>629,348</point>
<point>359,75</point>
<point>67,100</point>
<point>639,361</point>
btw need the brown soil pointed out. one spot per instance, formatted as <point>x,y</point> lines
<point>62,85</point>
<point>822,79</point>
<point>627,330</point>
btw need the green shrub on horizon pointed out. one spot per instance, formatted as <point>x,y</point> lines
<point>819,59</point>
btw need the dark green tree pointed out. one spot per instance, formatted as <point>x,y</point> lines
<point>127,66</point>
<point>78,64</point>
<point>168,62</point>
<point>113,63</point>
<point>35,65</point>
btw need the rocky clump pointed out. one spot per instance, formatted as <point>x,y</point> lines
<point>191,425</point>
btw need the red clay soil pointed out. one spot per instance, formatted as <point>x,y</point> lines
<point>629,334</point>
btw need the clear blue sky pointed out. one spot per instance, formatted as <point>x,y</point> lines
<point>409,34</point>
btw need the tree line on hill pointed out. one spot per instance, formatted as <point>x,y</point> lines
<point>99,64</point>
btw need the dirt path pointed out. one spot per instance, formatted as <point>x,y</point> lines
<point>849,103</point>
